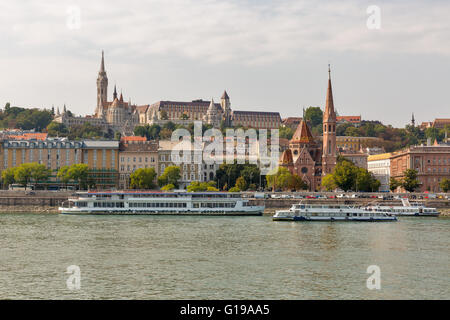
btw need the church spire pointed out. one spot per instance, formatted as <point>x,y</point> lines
<point>329,114</point>
<point>115,93</point>
<point>413,121</point>
<point>102,64</point>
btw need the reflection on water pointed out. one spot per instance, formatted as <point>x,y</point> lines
<point>131,257</point>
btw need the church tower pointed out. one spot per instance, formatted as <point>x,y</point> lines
<point>102,88</point>
<point>329,132</point>
<point>226,107</point>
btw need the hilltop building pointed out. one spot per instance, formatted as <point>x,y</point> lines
<point>121,116</point>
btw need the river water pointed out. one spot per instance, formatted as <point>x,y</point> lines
<point>164,257</point>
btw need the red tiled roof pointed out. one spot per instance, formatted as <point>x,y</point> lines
<point>349,118</point>
<point>133,138</point>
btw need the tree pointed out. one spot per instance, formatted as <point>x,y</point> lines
<point>184,116</point>
<point>314,116</point>
<point>241,183</point>
<point>39,172</point>
<point>8,176</point>
<point>55,129</point>
<point>344,175</point>
<point>143,178</point>
<point>280,180</point>
<point>79,172</point>
<point>410,182</point>
<point>234,189</point>
<point>296,183</point>
<point>63,175</point>
<point>196,186</point>
<point>328,182</point>
<point>445,184</point>
<point>22,174</point>
<point>393,184</point>
<point>168,187</point>
<point>286,132</point>
<point>171,175</point>
<point>365,181</point>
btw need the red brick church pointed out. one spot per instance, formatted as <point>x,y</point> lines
<point>311,159</point>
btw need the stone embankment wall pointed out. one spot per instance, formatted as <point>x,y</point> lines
<point>32,201</point>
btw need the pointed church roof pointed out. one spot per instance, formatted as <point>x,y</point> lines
<point>225,95</point>
<point>435,142</point>
<point>302,134</point>
<point>286,158</point>
<point>102,64</point>
<point>329,114</point>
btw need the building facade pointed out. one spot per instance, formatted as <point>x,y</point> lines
<point>380,166</point>
<point>101,157</point>
<point>136,154</point>
<point>431,162</point>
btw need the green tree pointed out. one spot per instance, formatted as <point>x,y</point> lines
<point>286,132</point>
<point>410,181</point>
<point>171,175</point>
<point>365,181</point>
<point>63,175</point>
<point>79,172</point>
<point>143,178</point>
<point>445,184</point>
<point>328,182</point>
<point>8,176</point>
<point>314,116</point>
<point>279,180</point>
<point>296,183</point>
<point>394,184</point>
<point>168,187</point>
<point>39,172</point>
<point>234,189</point>
<point>196,186</point>
<point>344,175</point>
<point>55,129</point>
<point>22,174</point>
<point>241,183</point>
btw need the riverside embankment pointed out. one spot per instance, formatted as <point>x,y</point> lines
<point>43,201</point>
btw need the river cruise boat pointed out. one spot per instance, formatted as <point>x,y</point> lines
<point>405,210</point>
<point>313,212</point>
<point>139,202</point>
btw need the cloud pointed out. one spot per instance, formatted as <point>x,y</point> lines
<point>248,32</point>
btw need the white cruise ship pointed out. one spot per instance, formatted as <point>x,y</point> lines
<point>141,202</point>
<point>406,209</point>
<point>313,212</point>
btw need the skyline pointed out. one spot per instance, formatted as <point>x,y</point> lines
<point>267,55</point>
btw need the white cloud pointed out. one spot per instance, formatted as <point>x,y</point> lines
<point>228,31</point>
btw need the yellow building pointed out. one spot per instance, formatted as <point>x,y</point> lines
<point>100,156</point>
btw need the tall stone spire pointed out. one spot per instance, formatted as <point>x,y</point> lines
<point>102,88</point>
<point>329,104</point>
<point>115,93</point>
<point>413,121</point>
<point>329,155</point>
<point>102,64</point>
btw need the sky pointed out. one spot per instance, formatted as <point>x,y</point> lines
<point>388,59</point>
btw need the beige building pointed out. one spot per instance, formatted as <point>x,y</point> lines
<point>190,167</point>
<point>100,156</point>
<point>135,155</point>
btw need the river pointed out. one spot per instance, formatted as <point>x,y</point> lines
<point>170,257</point>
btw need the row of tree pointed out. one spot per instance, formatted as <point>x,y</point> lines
<point>347,176</point>
<point>25,174</point>
<point>24,118</point>
<point>410,182</point>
